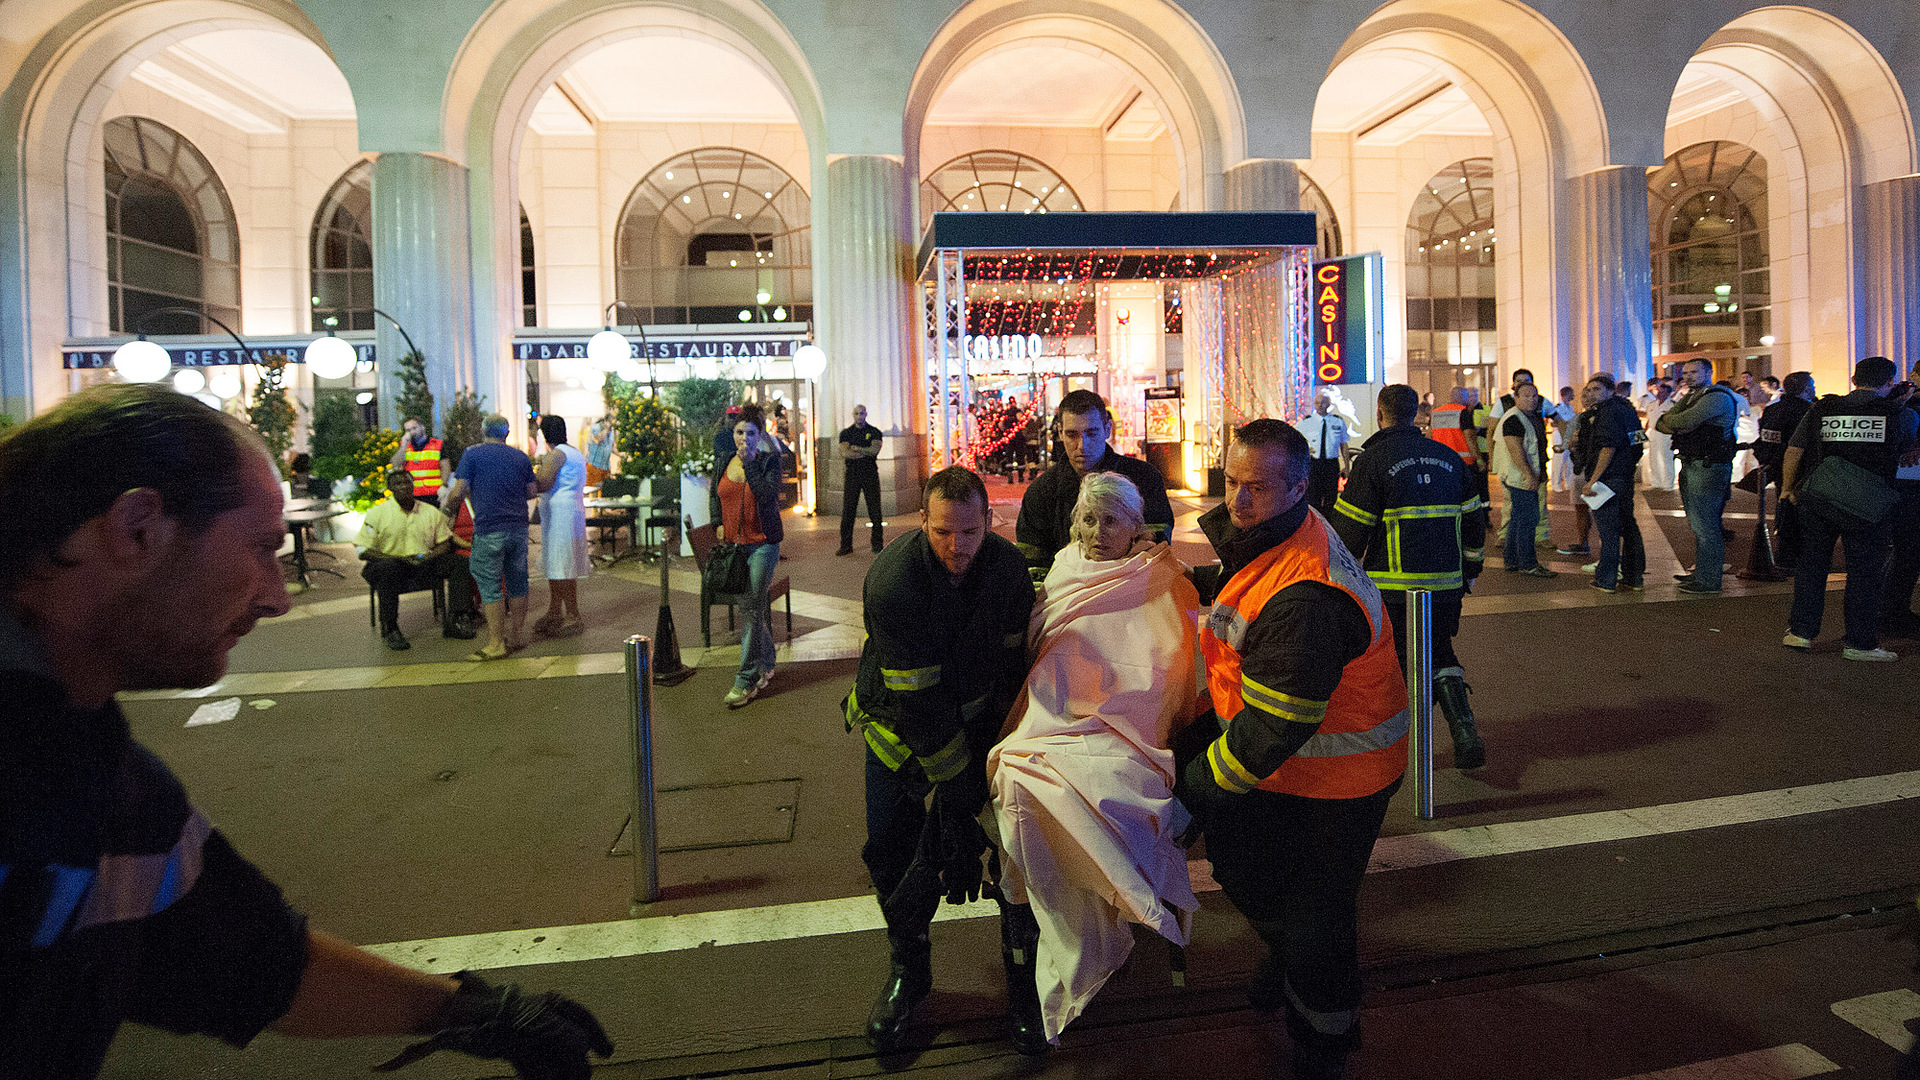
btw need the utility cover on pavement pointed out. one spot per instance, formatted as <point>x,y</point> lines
<point>720,815</point>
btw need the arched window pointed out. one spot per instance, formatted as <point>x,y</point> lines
<point>1707,212</point>
<point>341,258</point>
<point>711,235</point>
<point>995,180</point>
<point>529,302</point>
<point>171,237</point>
<point>1312,198</point>
<point>1451,305</point>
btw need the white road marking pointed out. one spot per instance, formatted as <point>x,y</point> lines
<point>1790,1062</point>
<point>1883,1016</point>
<point>816,918</point>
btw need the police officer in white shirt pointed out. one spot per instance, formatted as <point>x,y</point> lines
<point>1327,435</point>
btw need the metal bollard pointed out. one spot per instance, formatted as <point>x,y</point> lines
<point>646,844</point>
<point>1420,698</point>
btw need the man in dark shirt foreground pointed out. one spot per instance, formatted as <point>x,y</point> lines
<point>118,901</point>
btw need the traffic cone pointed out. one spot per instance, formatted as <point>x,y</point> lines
<point>1760,565</point>
<point>668,668</point>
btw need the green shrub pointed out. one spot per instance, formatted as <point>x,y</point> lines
<point>271,412</point>
<point>646,436</point>
<point>461,429</point>
<point>415,400</point>
<point>336,434</point>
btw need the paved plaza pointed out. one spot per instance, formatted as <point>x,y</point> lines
<point>1667,788</point>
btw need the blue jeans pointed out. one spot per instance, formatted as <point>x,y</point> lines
<point>1866,551</point>
<point>756,639</point>
<point>1623,555</point>
<point>1704,488</point>
<point>1522,515</point>
<point>498,554</point>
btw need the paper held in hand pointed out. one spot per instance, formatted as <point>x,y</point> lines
<point>1601,493</point>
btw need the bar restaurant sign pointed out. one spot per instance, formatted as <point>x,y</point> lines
<point>89,355</point>
<point>657,347</point>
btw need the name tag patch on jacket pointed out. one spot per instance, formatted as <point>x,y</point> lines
<point>1866,429</point>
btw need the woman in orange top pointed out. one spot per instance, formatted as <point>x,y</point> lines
<point>746,503</point>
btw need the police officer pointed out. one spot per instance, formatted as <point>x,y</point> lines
<point>1083,425</point>
<point>1897,616</point>
<point>1873,430</point>
<point>946,618</point>
<point>118,900</point>
<point>1410,515</point>
<point>1778,422</point>
<point>1302,676</point>
<point>1702,425</point>
<point>860,448</point>
<point>1327,437</point>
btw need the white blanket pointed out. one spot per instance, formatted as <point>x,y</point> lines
<point>1083,783</point>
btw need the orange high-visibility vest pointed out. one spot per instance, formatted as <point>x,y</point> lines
<point>1453,427</point>
<point>424,466</point>
<point>1360,746</point>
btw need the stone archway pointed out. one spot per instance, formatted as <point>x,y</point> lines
<point>1161,46</point>
<point>511,57</point>
<point>53,108</point>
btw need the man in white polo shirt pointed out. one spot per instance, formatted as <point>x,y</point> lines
<point>407,545</point>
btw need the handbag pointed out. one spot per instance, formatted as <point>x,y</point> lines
<point>1847,495</point>
<point>726,571</point>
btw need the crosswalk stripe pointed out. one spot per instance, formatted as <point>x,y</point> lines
<point>1883,1016</point>
<point>853,914</point>
<point>1790,1062</point>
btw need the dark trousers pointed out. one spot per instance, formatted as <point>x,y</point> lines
<point>1903,570</point>
<point>1786,529</point>
<point>1446,623</point>
<point>1323,484</point>
<point>861,479</point>
<point>391,577</point>
<point>1298,862</point>
<point>1623,555</point>
<point>1866,552</point>
<point>896,811</point>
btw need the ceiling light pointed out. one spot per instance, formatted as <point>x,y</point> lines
<point>1710,309</point>
<point>669,174</point>
<point>745,315</point>
<point>686,198</point>
<point>779,314</point>
<point>762,296</point>
<point>364,397</point>
<point>726,194</point>
<point>1766,339</point>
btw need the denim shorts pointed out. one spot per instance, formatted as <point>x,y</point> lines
<point>498,555</point>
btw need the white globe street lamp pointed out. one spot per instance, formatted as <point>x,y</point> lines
<point>606,350</point>
<point>141,360</point>
<point>330,358</point>
<point>189,381</point>
<point>224,383</point>
<point>809,361</point>
<point>630,369</point>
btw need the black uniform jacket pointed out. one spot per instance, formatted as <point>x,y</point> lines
<point>1410,513</point>
<point>942,661</point>
<point>117,900</point>
<point>1046,513</point>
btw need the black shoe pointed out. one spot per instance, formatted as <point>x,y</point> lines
<point>1450,694</point>
<point>396,640</point>
<point>909,979</point>
<point>845,549</point>
<point>1019,938</point>
<point>1697,589</point>
<point>1573,549</point>
<point>460,628</point>
<point>1316,1055</point>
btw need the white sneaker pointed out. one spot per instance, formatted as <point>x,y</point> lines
<point>1795,641</point>
<point>738,696</point>
<point>1876,656</point>
<point>1590,567</point>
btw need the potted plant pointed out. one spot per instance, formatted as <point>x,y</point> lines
<point>700,404</point>
<point>368,466</point>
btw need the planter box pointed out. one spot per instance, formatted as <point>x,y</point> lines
<point>340,530</point>
<point>693,505</point>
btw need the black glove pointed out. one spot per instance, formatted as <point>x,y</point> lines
<point>543,1036</point>
<point>1202,797</point>
<point>962,795</point>
<point>962,842</point>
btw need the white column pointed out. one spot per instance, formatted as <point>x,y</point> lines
<point>1263,184</point>
<point>1609,277</point>
<point>423,276</point>
<point>1893,270</point>
<point>869,329</point>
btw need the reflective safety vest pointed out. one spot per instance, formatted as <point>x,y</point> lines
<point>1453,427</point>
<point>1360,746</point>
<point>424,466</point>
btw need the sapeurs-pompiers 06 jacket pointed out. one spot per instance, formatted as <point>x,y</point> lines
<point>942,662</point>
<point>1410,514</point>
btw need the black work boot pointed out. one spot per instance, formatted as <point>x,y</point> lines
<point>1317,1055</point>
<point>909,979</point>
<point>1450,694</point>
<point>1019,942</point>
<point>1267,990</point>
<point>395,640</point>
<point>879,540</point>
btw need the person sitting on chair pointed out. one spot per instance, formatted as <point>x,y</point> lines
<point>407,546</point>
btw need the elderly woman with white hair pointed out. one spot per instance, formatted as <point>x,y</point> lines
<point>1083,782</point>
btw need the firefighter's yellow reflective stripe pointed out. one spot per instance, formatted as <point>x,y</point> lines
<point>904,680</point>
<point>1392,579</point>
<point>1402,513</point>
<point>885,744</point>
<point>946,762</point>
<point>1472,504</point>
<point>1014,640</point>
<point>1227,770</point>
<point>1475,554</point>
<point>1299,710</point>
<point>1363,517</point>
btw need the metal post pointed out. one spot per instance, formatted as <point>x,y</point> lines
<point>646,844</point>
<point>1420,698</point>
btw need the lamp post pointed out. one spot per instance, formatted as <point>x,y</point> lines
<point>330,354</point>
<point>141,360</point>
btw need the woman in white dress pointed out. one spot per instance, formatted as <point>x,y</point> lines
<point>562,480</point>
